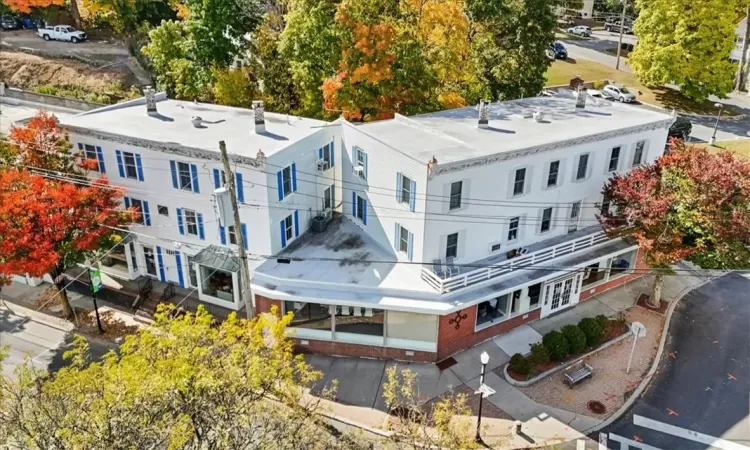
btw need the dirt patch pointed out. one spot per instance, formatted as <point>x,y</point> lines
<point>643,303</point>
<point>26,71</point>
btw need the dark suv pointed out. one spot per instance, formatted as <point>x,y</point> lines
<point>8,22</point>
<point>681,128</point>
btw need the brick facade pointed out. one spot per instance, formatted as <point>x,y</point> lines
<point>361,351</point>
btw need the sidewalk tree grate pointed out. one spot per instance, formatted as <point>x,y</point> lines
<point>596,407</point>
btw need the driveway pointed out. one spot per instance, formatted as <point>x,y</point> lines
<point>102,51</point>
<point>699,397</point>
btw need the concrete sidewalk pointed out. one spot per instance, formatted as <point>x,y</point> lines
<point>360,381</point>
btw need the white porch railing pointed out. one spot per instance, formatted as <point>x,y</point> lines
<point>477,276</point>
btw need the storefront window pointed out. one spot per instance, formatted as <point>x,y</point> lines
<point>622,264</point>
<point>217,283</point>
<point>358,320</point>
<point>116,259</point>
<point>309,315</point>
<point>493,310</point>
<point>594,273</point>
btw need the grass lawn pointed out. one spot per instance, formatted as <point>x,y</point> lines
<point>740,147</point>
<point>562,71</point>
<point>613,51</point>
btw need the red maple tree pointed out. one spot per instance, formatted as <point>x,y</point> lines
<point>47,226</point>
<point>690,204</point>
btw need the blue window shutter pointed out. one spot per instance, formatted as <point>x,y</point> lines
<point>146,214</point>
<point>365,166</point>
<point>173,166</point>
<point>280,185</point>
<point>179,221</point>
<point>120,167</point>
<point>194,178</point>
<point>399,186</point>
<point>294,177</point>
<point>354,204</point>
<point>139,166</point>
<point>332,153</point>
<point>160,261</point>
<point>320,153</point>
<point>240,187</point>
<point>217,179</point>
<point>80,147</point>
<point>100,157</point>
<point>222,235</point>
<point>396,236</point>
<point>296,224</point>
<point>410,247</point>
<point>127,202</point>
<point>243,230</point>
<point>364,211</point>
<point>413,196</point>
<point>180,275</point>
<point>201,233</point>
<point>283,234</point>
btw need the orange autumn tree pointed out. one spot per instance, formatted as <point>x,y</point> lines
<point>48,226</point>
<point>24,6</point>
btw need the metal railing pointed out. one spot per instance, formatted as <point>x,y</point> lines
<point>453,283</point>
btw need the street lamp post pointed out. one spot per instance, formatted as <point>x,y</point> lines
<point>484,358</point>
<point>716,125</point>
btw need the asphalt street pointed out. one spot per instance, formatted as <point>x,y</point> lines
<point>38,343</point>
<point>700,397</point>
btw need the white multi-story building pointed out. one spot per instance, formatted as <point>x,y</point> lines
<point>447,228</point>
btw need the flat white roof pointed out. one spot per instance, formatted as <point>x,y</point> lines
<point>453,135</point>
<point>172,125</point>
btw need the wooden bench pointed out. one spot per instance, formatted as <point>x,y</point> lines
<point>577,373</point>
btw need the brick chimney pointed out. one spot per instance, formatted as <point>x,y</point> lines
<point>258,113</point>
<point>150,94</point>
<point>484,114</point>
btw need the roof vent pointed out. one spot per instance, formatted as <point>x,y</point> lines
<point>150,94</point>
<point>197,121</point>
<point>539,116</point>
<point>259,116</point>
<point>484,114</point>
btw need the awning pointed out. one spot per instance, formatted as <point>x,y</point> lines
<point>218,257</point>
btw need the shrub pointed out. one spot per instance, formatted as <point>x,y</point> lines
<point>603,321</point>
<point>520,364</point>
<point>592,330</point>
<point>599,85</point>
<point>556,344</point>
<point>575,338</point>
<point>539,354</point>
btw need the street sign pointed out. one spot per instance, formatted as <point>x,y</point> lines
<point>96,281</point>
<point>485,390</point>
<point>638,329</point>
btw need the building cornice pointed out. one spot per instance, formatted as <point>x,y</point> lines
<point>440,169</point>
<point>172,148</point>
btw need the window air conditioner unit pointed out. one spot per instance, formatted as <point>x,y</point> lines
<point>358,169</point>
<point>322,165</point>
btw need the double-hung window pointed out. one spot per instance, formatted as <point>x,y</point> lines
<point>286,181</point>
<point>405,194</point>
<point>328,198</point>
<point>455,198</point>
<point>360,213</point>
<point>191,222</point>
<point>583,165</point>
<point>451,246</point>
<point>129,163</point>
<point>606,200</point>
<point>289,228</point>
<point>141,206</point>
<point>286,178</point>
<point>513,228</point>
<point>232,235</point>
<point>184,178</point>
<point>554,170</point>
<point>406,191</point>
<point>403,240</point>
<point>614,159</point>
<point>326,154</point>
<point>638,153</point>
<point>546,223</point>
<point>519,182</point>
<point>89,152</point>
<point>575,213</point>
<point>360,163</point>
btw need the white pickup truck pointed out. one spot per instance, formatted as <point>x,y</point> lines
<point>62,33</point>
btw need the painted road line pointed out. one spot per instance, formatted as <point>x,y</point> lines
<point>625,443</point>
<point>687,434</point>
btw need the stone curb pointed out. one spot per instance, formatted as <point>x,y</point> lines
<point>36,316</point>
<point>654,366</point>
<point>355,424</point>
<point>560,367</point>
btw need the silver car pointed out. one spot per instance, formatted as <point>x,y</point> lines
<point>580,30</point>
<point>619,93</point>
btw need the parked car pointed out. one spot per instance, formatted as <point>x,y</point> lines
<point>62,33</point>
<point>580,30</point>
<point>558,51</point>
<point>615,27</point>
<point>619,93</point>
<point>681,128</point>
<point>8,22</point>
<point>594,93</point>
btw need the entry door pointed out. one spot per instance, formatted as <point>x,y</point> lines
<point>559,294</point>
<point>150,258</point>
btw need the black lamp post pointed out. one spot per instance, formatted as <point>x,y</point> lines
<point>484,358</point>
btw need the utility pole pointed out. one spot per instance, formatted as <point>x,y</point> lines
<point>244,270</point>
<point>622,31</point>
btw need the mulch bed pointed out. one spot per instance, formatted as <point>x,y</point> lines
<point>615,329</point>
<point>643,303</point>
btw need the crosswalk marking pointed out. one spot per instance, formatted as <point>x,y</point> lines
<point>687,434</point>
<point>625,443</point>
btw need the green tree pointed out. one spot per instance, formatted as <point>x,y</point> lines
<point>687,43</point>
<point>690,204</point>
<point>233,87</point>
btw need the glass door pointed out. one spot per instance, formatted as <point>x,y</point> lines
<point>148,255</point>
